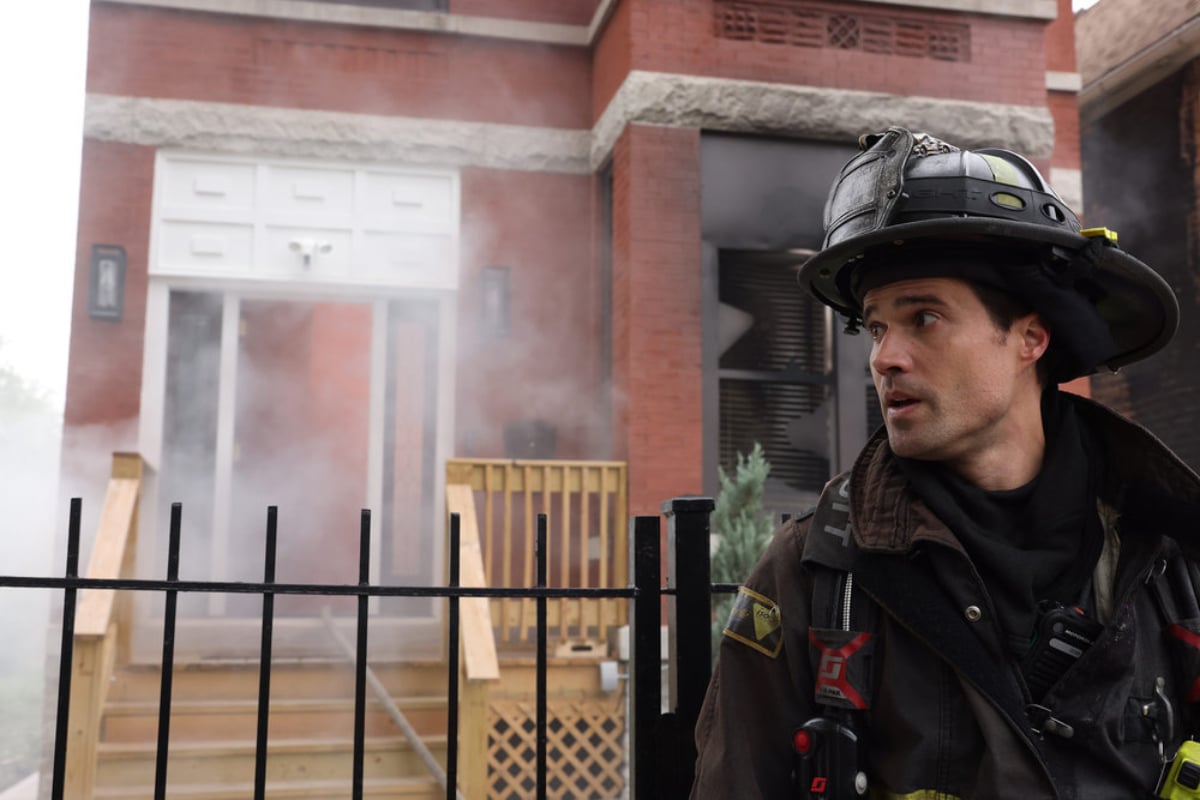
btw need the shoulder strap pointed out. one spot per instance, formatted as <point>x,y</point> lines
<point>829,554</point>
<point>827,592</point>
<point>1172,583</point>
<point>843,619</point>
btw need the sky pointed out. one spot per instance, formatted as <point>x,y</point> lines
<point>41,83</point>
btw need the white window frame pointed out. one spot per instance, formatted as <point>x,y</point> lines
<point>297,634</point>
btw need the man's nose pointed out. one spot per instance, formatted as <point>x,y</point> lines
<point>890,354</point>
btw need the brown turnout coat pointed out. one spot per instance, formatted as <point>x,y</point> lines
<point>949,715</point>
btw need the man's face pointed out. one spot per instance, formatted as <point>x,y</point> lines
<point>948,379</point>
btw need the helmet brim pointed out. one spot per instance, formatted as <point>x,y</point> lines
<point>1138,306</point>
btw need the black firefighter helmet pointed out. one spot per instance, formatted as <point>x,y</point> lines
<point>910,205</point>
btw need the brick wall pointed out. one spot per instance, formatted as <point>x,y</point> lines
<point>548,365</point>
<point>1064,108</point>
<point>612,57</point>
<point>680,36</point>
<point>147,52</point>
<point>1060,40</point>
<point>540,226</point>
<point>565,12</point>
<point>1138,183</point>
<point>656,313</point>
<point>104,373</point>
<point>104,368</point>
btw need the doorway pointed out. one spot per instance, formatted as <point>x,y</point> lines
<point>321,407</point>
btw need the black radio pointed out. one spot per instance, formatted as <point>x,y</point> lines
<point>827,756</point>
<point>1062,635</point>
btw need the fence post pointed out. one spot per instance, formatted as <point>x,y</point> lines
<point>645,658</point>
<point>689,615</point>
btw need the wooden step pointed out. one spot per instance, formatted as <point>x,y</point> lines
<point>380,789</point>
<point>231,762</point>
<point>216,720</point>
<point>518,676</point>
<point>214,717</point>
<point>299,679</point>
<point>320,678</point>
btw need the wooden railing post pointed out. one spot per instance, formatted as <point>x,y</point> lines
<point>127,466</point>
<point>102,625</point>
<point>473,735</point>
<point>479,664</point>
<point>91,669</point>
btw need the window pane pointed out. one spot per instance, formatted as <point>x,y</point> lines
<point>786,327</point>
<point>773,367</point>
<point>188,468</point>
<point>781,418</point>
<point>300,443</point>
<point>410,430</point>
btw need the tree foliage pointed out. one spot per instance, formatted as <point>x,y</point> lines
<point>742,526</point>
<point>21,398</point>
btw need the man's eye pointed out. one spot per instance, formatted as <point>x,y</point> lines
<point>925,318</point>
<point>875,331</point>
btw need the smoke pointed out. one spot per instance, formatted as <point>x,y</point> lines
<point>302,391</point>
<point>29,448</point>
<point>298,435</point>
<point>545,365</point>
<point>290,414</point>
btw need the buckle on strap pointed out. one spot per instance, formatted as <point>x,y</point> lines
<point>1156,571</point>
<point>1043,721</point>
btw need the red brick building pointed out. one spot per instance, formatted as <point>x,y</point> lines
<point>1141,152</point>
<point>323,246</point>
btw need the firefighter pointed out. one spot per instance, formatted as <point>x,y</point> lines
<point>997,599</point>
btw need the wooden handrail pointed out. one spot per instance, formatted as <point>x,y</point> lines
<point>113,541</point>
<point>604,475</point>
<point>478,640</point>
<point>480,664</point>
<point>101,624</point>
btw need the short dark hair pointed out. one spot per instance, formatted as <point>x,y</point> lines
<point>1005,309</point>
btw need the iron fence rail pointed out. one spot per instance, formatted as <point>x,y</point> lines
<point>661,752</point>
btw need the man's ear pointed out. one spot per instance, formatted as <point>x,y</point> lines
<point>1035,336</point>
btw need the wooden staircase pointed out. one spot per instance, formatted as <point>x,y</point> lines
<point>112,740</point>
<point>213,729</point>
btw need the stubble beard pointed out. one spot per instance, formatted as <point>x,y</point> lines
<point>922,440</point>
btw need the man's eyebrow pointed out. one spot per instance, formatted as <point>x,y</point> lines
<point>906,300</point>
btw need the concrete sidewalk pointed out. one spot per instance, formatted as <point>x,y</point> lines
<point>26,789</point>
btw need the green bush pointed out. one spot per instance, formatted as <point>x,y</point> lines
<point>743,529</point>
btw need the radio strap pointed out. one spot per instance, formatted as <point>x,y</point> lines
<point>843,621</point>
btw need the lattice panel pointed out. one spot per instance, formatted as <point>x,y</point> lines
<point>585,752</point>
<point>800,25</point>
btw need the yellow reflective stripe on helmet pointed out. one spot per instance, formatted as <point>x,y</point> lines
<point>919,794</point>
<point>1002,170</point>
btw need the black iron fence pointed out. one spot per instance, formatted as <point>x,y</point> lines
<point>661,746</point>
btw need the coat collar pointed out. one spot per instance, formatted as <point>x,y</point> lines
<point>887,517</point>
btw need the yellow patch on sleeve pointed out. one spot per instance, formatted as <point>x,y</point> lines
<point>755,621</point>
